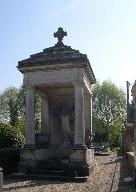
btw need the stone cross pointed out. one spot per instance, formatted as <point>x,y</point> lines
<point>60,35</point>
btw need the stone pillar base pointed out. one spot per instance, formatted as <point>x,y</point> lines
<point>82,162</point>
<point>26,146</point>
<point>27,158</point>
<point>79,146</point>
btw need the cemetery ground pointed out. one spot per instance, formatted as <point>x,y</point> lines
<point>108,176</point>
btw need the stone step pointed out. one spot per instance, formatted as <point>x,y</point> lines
<point>52,166</point>
<point>48,177</point>
<point>47,172</point>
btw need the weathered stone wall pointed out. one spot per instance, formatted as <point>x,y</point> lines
<point>128,140</point>
<point>130,157</point>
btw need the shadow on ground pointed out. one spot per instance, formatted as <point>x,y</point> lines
<point>26,184</point>
<point>125,171</point>
<point>120,163</point>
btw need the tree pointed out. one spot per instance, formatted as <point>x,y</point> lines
<point>115,135</point>
<point>12,108</point>
<point>10,137</point>
<point>0,107</point>
<point>109,106</point>
<point>100,130</point>
<point>9,105</point>
<point>12,105</point>
<point>12,116</point>
<point>21,97</point>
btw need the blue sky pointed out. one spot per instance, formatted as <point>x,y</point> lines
<point>105,30</point>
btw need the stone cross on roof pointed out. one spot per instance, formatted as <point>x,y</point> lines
<point>60,35</point>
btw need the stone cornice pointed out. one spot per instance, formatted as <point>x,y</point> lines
<point>56,58</point>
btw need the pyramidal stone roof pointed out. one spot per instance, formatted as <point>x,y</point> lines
<point>58,54</point>
<point>54,55</point>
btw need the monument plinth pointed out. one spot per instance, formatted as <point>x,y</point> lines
<point>62,77</point>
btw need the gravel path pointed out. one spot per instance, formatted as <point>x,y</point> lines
<point>107,177</point>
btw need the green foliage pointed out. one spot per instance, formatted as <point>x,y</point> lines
<point>21,103</point>
<point>37,106</point>
<point>9,105</point>
<point>21,126</point>
<point>115,149</point>
<point>109,112</point>
<point>13,111</point>
<point>12,105</point>
<point>10,137</point>
<point>109,102</point>
<point>115,134</point>
<point>12,116</point>
<point>100,130</point>
<point>0,107</point>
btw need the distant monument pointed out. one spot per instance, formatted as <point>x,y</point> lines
<point>62,77</point>
<point>133,91</point>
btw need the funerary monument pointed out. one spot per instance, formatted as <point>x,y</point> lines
<point>133,91</point>
<point>62,77</point>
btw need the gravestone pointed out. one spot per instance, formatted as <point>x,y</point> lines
<point>62,77</point>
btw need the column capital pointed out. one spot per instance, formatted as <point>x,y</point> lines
<point>44,97</point>
<point>82,85</point>
<point>30,88</point>
<point>42,94</point>
<point>78,84</point>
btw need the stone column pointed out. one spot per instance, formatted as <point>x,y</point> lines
<point>51,124</point>
<point>91,115</point>
<point>44,115</point>
<point>88,114</point>
<point>79,115</point>
<point>30,125</point>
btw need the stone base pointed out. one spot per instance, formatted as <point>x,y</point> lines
<point>82,161</point>
<point>32,158</point>
<point>77,162</point>
<point>42,139</point>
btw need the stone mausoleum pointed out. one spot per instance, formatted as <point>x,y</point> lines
<point>62,77</point>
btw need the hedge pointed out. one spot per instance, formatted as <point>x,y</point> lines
<point>10,137</point>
